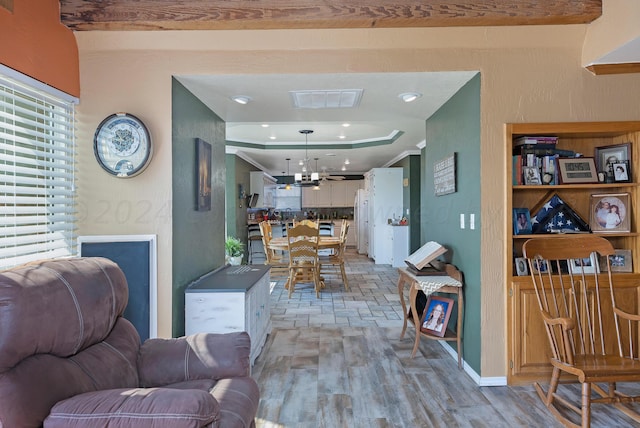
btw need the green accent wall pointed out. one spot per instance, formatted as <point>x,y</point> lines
<point>238,175</point>
<point>411,166</point>
<point>455,128</point>
<point>198,236</point>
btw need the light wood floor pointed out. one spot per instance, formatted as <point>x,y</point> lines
<point>337,361</point>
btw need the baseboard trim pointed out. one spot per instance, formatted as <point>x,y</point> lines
<point>479,380</point>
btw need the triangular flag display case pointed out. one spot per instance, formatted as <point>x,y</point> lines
<point>564,210</point>
<point>556,216</point>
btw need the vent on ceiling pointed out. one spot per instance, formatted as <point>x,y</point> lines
<point>336,98</point>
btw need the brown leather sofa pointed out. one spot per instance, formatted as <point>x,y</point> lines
<point>69,359</point>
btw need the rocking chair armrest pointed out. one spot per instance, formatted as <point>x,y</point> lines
<point>565,322</point>
<point>626,315</point>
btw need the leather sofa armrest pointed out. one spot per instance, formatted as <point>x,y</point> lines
<point>199,356</point>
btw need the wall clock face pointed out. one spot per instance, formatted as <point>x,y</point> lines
<point>122,145</point>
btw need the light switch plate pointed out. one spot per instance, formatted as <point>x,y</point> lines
<point>472,221</point>
<point>461,221</point>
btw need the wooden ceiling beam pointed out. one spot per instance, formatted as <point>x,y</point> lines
<point>86,15</point>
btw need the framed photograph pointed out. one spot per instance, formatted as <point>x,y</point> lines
<point>588,265</point>
<point>203,168</point>
<point>608,155</point>
<point>621,261</point>
<point>539,266</point>
<point>531,175</point>
<point>609,213</point>
<point>577,170</point>
<point>521,221</point>
<point>437,313</point>
<point>522,268</point>
<point>621,172</point>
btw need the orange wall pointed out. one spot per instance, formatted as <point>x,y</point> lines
<point>35,43</point>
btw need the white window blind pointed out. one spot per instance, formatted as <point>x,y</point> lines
<point>37,172</point>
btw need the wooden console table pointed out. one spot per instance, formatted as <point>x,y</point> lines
<point>450,283</point>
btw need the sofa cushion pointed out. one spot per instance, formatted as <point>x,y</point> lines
<point>86,295</point>
<point>136,408</point>
<point>200,356</point>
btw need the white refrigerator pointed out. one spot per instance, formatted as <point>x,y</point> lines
<point>361,221</point>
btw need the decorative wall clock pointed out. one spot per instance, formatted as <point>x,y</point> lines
<point>122,145</point>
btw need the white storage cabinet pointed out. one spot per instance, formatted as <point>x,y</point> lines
<point>231,299</point>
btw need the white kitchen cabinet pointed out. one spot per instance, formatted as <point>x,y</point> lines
<point>331,194</point>
<point>231,299</point>
<point>399,245</point>
<point>265,186</point>
<point>385,202</point>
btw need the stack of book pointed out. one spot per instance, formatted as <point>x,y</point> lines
<point>540,152</point>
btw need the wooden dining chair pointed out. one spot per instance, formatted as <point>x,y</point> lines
<point>279,264</point>
<point>335,261</point>
<point>307,222</point>
<point>592,332</point>
<point>302,243</point>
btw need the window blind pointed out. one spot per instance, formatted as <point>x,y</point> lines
<point>37,171</point>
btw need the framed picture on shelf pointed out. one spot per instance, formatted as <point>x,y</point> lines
<point>539,266</point>
<point>620,171</point>
<point>522,268</point>
<point>521,221</point>
<point>621,261</point>
<point>607,155</point>
<point>437,313</point>
<point>531,175</point>
<point>577,170</point>
<point>609,213</point>
<point>588,265</point>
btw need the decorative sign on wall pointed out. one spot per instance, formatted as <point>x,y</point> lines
<point>444,175</point>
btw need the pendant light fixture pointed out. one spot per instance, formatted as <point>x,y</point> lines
<point>287,186</point>
<point>306,179</point>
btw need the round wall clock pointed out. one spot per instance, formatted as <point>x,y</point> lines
<point>122,145</point>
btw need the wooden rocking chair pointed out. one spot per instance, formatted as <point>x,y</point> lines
<point>593,340</point>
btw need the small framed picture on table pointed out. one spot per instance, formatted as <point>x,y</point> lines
<point>437,313</point>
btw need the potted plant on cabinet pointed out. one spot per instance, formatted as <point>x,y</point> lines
<point>233,248</point>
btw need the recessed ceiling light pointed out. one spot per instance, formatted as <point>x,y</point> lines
<point>329,154</point>
<point>241,99</point>
<point>346,162</point>
<point>342,137</point>
<point>272,137</point>
<point>346,125</point>
<point>408,97</point>
<point>265,125</point>
<point>344,168</point>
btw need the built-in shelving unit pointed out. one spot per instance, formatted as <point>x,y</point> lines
<point>528,349</point>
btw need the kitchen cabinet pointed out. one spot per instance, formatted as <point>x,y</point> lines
<point>399,245</point>
<point>265,186</point>
<point>330,194</point>
<point>231,299</point>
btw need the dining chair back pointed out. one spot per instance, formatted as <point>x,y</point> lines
<point>279,265</point>
<point>592,326</point>
<point>302,243</point>
<point>334,262</point>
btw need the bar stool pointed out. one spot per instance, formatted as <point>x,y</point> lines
<point>254,238</point>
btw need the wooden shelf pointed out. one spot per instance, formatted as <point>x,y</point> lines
<point>528,348</point>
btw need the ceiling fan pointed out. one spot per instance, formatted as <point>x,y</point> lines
<point>324,176</point>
